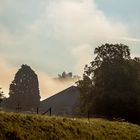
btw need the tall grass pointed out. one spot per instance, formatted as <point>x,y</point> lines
<point>16,126</point>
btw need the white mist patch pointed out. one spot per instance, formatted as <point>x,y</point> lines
<point>50,86</point>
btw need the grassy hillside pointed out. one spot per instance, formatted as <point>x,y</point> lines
<point>36,127</point>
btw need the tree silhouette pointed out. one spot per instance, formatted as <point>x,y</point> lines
<point>110,85</point>
<point>1,95</point>
<point>67,77</point>
<point>24,90</point>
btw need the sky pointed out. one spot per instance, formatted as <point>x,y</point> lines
<point>53,36</point>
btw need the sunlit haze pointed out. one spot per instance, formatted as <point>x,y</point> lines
<point>53,36</point>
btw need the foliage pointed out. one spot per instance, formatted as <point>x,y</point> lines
<point>24,90</point>
<point>1,95</point>
<point>110,85</point>
<point>67,77</point>
<point>34,127</point>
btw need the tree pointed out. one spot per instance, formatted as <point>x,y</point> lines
<point>1,95</point>
<point>64,77</point>
<point>113,83</point>
<point>24,90</point>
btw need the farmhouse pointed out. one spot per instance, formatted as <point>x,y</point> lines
<point>63,103</point>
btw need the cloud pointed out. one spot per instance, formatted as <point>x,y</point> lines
<point>79,21</point>
<point>59,35</point>
<point>81,26</point>
<point>6,38</point>
<point>129,39</point>
<point>70,24</point>
<point>84,54</point>
<point>62,26</point>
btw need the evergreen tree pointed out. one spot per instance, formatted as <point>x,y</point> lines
<point>24,90</point>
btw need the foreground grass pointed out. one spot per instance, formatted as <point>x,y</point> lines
<point>36,127</point>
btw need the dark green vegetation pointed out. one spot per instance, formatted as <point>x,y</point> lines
<point>36,127</point>
<point>67,77</point>
<point>1,95</point>
<point>24,91</point>
<point>111,84</point>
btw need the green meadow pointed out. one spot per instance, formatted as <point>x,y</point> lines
<point>16,126</point>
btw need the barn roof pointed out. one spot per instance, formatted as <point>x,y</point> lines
<point>63,102</point>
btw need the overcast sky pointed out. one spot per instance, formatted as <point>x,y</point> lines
<point>53,36</point>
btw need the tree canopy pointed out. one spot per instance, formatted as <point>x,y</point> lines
<point>110,85</point>
<point>24,90</point>
<point>64,77</point>
<point>1,95</point>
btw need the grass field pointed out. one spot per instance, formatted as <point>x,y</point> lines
<point>16,126</point>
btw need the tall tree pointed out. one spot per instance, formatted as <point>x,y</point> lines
<point>113,83</point>
<point>24,90</point>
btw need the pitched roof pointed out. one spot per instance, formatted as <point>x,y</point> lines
<point>63,102</point>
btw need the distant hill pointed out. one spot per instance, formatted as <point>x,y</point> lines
<point>63,103</point>
<point>36,127</point>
